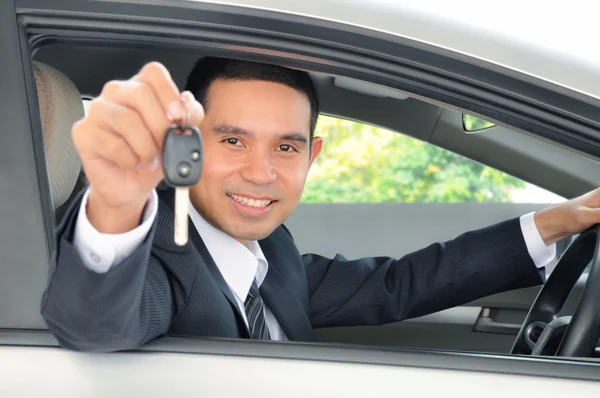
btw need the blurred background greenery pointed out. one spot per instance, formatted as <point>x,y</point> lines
<point>472,123</point>
<point>366,164</point>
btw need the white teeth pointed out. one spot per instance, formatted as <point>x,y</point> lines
<point>250,202</point>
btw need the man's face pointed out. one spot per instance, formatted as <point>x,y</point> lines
<point>257,154</point>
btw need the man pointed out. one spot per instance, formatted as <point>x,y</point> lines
<point>121,281</point>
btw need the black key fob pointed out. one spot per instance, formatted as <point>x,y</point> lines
<point>182,156</point>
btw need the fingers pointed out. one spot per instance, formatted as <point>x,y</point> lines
<point>153,94</point>
<point>98,143</point>
<point>118,131</point>
<point>158,78</point>
<point>128,122</point>
<point>195,109</point>
<point>139,98</point>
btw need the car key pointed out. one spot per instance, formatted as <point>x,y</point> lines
<point>182,166</point>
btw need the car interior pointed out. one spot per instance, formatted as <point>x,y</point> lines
<point>67,73</point>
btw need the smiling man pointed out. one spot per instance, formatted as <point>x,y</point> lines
<point>120,281</point>
<point>257,141</point>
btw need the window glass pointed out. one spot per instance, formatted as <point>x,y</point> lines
<point>361,163</point>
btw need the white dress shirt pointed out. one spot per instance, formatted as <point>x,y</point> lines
<point>238,264</point>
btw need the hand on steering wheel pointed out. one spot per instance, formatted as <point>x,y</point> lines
<point>542,332</point>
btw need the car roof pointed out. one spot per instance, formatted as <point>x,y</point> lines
<point>556,44</point>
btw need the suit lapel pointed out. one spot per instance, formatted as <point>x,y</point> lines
<point>280,298</point>
<point>275,290</point>
<point>168,197</point>
<point>213,269</point>
<point>286,307</point>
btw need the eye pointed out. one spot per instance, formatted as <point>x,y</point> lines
<point>286,148</point>
<point>232,141</point>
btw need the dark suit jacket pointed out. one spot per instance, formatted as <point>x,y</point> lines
<point>162,288</point>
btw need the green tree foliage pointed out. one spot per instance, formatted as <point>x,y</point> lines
<point>365,164</point>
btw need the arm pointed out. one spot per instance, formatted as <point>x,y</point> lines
<point>118,141</point>
<point>373,291</point>
<point>106,305</point>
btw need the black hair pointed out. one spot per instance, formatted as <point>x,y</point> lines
<point>209,69</point>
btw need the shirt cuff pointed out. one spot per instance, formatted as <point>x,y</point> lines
<point>100,251</point>
<point>541,254</point>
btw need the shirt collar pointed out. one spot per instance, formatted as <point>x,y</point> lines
<point>238,264</point>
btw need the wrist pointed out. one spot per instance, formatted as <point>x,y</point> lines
<point>109,219</point>
<point>550,225</point>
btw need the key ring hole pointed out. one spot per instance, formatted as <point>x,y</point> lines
<point>179,129</point>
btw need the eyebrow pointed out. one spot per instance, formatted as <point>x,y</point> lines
<point>222,129</point>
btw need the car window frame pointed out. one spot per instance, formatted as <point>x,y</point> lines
<point>34,21</point>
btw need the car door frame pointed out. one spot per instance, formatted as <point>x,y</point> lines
<point>25,186</point>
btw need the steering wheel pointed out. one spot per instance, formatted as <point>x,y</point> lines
<point>543,333</point>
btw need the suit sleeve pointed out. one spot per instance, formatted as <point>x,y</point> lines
<point>379,290</point>
<point>123,308</point>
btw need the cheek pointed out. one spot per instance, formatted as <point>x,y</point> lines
<point>293,176</point>
<point>212,176</point>
<point>216,166</point>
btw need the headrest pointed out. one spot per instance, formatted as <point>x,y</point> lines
<point>60,106</point>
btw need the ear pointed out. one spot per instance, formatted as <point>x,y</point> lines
<point>315,149</point>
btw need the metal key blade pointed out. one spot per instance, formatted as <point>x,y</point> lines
<point>182,166</point>
<point>182,195</point>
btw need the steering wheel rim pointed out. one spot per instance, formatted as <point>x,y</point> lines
<point>582,330</point>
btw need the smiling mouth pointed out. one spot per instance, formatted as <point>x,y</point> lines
<point>257,203</point>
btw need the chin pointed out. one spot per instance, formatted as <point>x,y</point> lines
<point>250,232</point>
<point>257,235</point>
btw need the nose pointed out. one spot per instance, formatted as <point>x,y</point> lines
<point>259,169</point>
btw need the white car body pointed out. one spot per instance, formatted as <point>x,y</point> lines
<point>555,43</point>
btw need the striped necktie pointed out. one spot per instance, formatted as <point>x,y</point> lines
<point>254,307</point>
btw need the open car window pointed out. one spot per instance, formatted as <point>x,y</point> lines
<point>419,167</point>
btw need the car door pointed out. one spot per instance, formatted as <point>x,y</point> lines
<point>33,364</point>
